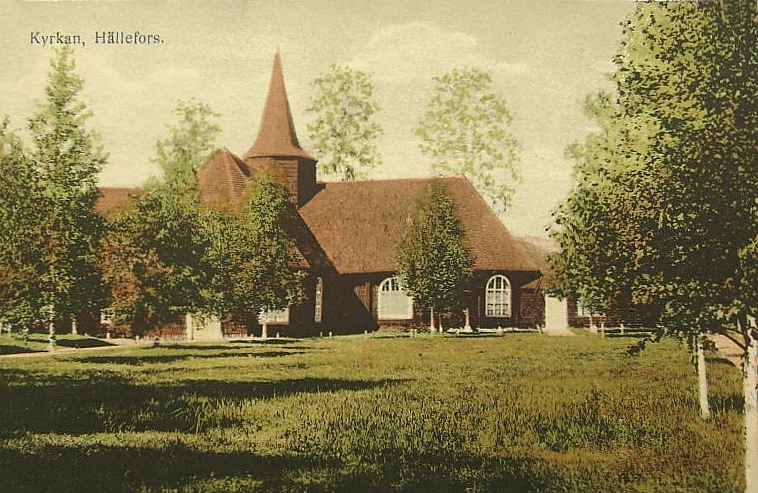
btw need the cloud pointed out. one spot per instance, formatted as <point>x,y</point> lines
<point>404,52</point>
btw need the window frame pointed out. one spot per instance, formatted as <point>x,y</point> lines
<point>503,292</point>
<point>266,316</point>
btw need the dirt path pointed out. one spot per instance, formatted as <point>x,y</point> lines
<point>115,344</point>
<point>728,349</point>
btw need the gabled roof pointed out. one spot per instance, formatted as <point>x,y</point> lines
<point>276,133</point>
<point>111,198</point>
<point>222,178</point>
<point>360,224</point>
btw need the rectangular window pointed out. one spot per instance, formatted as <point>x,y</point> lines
<point>275,316</point>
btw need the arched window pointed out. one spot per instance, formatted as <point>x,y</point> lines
<point>394,304</point>
<point>318,299</point>
<point>497,299</point>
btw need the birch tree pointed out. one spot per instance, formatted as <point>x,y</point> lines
<point>683,70</point>
<point>465,131</point>
<point>68,157</point>
<point>190,141</point>
<point>343,130</point>
<point>434,262</point>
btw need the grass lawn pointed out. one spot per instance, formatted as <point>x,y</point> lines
<point>515,413</point>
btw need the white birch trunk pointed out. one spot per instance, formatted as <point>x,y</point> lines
<point>431,320</point>
<point>264,330</point>
<point>750,390</point>
<point>702,381</point>
<point>468,321</point>
<point>51,330</point>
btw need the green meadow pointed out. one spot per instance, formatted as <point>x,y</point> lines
<point>513,413</point>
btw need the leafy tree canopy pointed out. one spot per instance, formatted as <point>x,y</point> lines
<point>21,217</point>
<point>190,141</point>
<point>254,257</point>
<point>67,157</point>
<point>154,257</point>
<point>465,131</point>
<point>434,261</point>
<point>343,131</point>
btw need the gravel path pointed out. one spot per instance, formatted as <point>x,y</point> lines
<point>728,349</point>
<point>115,344</point>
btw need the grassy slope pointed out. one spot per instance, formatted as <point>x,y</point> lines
<point>525,413</point>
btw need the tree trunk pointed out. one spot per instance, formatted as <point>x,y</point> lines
<point>51,330</point>
<point>264,330</point>
<point>750,390</point>
<point>467,326</point>
<point>431,320</point>
<point>702,381</point>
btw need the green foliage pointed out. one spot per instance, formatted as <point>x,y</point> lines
<point>343,130</point>
<point>606,227</point>
<point>154,256</point>
<point>434,261</point>
<point>190,141</point>
<point>21,246</point>
<point>253,256</point>
<point>465,131</point>
<point>666,195</point>
<point>67,158</point>
<point>379,414</point>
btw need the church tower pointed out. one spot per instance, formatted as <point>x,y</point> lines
<point>276,148</point>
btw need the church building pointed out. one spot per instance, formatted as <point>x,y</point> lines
<point>348,234</point>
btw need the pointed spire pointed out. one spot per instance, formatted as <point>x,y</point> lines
<point>276,134</point>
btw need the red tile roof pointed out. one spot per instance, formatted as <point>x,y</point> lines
<point>111,198</point>
<point>222,178</point>
<point>276,134</point>
<point>360,224</point>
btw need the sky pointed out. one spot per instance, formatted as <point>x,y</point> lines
<point>545,58</point>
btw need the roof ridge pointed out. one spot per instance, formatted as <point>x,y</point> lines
<point>384,180</point>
